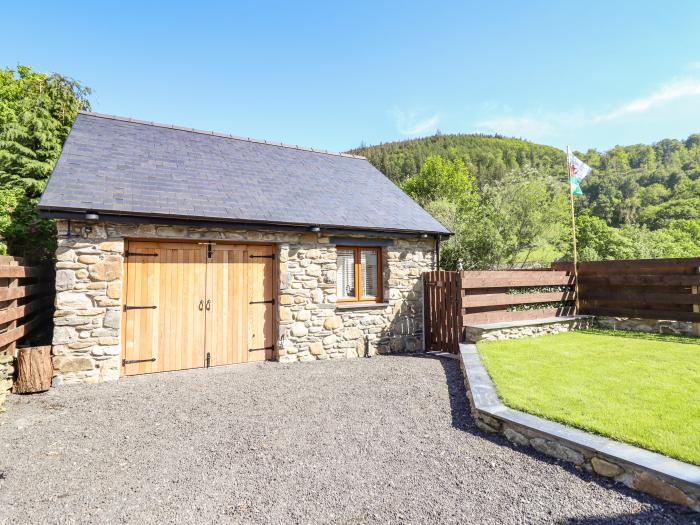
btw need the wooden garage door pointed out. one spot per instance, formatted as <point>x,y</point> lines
<point>189,305</point>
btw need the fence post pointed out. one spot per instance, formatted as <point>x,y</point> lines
<point>695,290</point>
<point>11,282</point>
<point>460,305</point>
<point>12,347</point>
<point>425,310</point>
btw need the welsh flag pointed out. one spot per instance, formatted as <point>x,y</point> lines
<point>577,171</point>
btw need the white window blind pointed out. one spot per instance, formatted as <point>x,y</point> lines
<point>368,262</point>
<point>346,274</point>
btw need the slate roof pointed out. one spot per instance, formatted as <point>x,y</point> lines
<point>115,165</point>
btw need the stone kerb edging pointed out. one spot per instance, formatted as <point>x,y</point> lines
<point>640,469</point>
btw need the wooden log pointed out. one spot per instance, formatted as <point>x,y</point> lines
<point>34,369</point>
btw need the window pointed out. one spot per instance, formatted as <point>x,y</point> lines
<point>359,274</point>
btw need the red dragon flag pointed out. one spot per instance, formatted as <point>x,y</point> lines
<point>577,171</point>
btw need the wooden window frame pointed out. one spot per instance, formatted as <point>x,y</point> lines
<point>358,275</point>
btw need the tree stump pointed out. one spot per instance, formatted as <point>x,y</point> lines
<point>34,369</point>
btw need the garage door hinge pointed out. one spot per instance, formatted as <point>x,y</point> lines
<point>136,254</point>
<point>263,348</point>
<point>271,301</point>
<point>263,256</point>
<point>132,361</point>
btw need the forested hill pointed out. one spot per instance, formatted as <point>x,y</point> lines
<point>638,184</point>
<point>487,157</point>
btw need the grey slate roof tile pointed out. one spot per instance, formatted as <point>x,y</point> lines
<point>117,165</point>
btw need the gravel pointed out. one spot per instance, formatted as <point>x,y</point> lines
<point>381,440</point>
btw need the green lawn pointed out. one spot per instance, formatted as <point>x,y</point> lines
<point>638,388</point>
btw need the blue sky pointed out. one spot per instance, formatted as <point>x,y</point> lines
<point>332,75</point>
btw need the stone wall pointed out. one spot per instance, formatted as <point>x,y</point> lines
<point>522,329</point>
<point>635,476</point>
<point>7,371</point>
<point>648,325</point>
<point>646,471</point>
<point>310,323</point>
<point>314,326</point>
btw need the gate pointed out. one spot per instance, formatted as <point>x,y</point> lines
<point>442,292</point>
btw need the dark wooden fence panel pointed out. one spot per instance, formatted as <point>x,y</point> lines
<point>664,289</point>
<point>498,296</point>
<point>26,301</point>
<point>443,327</point>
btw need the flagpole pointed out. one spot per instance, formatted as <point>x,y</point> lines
<point>573,228</point>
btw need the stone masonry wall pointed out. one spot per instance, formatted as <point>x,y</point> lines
<point>474,334</point>
<point>314,326</point>
<point>7,370</point>
<point>648,325</point>
<point>310,324</point>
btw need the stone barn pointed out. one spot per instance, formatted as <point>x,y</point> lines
<point>180,248</point>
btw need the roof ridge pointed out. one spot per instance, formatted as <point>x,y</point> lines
<point>218,134</point>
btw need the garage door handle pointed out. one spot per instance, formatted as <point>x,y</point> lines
<point>208,304</point>
<point>132,361</point>
<point>128,307</point>
<point>201,304</point>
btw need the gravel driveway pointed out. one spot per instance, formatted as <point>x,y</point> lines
<point>385,440</point>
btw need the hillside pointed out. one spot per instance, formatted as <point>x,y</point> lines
<point>641,200</point>
<point>637,184</point>
<point>487,157</point>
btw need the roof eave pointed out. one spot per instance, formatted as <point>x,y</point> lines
<point>50,212</point>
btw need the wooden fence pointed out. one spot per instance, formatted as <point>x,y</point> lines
<point>26,301</point>
<point>454,300</point>
<point>665,289</point>
<point>517,295</point>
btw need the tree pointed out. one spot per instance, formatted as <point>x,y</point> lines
<point>528,209</point>
<point>594,238</point>
<point>446,189</point>
<point>442,179</point>
<point>36,114</point>
<point>640,191</point>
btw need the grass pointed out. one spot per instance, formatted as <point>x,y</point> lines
<point>642,389</point>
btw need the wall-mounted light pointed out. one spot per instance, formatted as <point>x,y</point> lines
<point>423,235</point>
<point>315,229</point>
<point>89,216</point>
